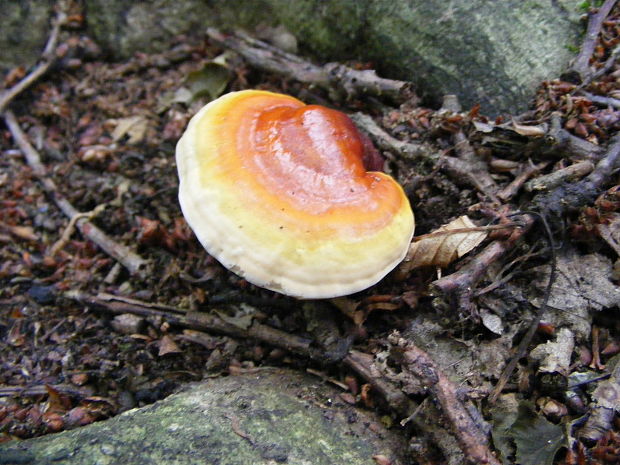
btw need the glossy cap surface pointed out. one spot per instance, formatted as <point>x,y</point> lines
<point>277,192</point>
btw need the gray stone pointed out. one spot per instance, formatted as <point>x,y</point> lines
<point>492,53</point>
<point>274,416</point>
<point>24,27</point>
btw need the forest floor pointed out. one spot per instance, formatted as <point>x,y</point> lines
<point>516,341</point>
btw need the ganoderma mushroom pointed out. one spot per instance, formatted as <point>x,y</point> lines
<point>277,192</point>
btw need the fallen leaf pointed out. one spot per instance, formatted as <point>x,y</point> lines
<point>209,82</point>
<point>531,131</point>
<point>583,283</point>
<point>536,438</point>
<point>134,127</point>
<point>491,321</point>
<point>168,346</point>
<point>444,245</point>
<point>555,356</point>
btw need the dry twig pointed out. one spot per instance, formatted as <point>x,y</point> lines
<point>48,58</point>
<point>361,364</point>
<point>513,188</point>
<point>402,150</point>
<point>569,197</point>
<point>472,440</point>
<point>132,261</point>
<point>558,177</point>
<point>332,76</point>
<point>581,64</point>
<point>458,287</point>
<point>197,320</point>
<point>569,145</point>
<point>467,165</point>
<point>358,362</point>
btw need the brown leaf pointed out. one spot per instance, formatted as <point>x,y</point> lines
<point>57,401</point>
<point>168,346</point>
<point>531,131</point>
<point>21,232</point>
<point>444,245</point>
<point>133,126</point>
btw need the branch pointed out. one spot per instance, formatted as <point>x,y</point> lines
<point>196,320</point>
<point>404,150</point>
<point>568,145</point>
<point>130,260</point>
<point>331,76</point>
<point>361,364</point>
<point>48,58</point>
<point>473,441</point>
<point>458,287</point>
<point>570,197</point>
<point>581,64</point>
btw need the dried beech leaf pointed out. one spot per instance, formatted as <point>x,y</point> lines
<point>440,248</point>
<point>134,127</point>
<point>168,346</point>
<point>532,131</point>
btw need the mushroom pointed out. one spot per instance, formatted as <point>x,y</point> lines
<point>276,190</point>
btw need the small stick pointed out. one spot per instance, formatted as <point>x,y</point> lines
<point>467,166</point>
<point>331,76</point>
<point>196,320</point>
<point>605,68</point>
<point>582,62</point>
<point>569,197</point>
<point>459,285</point>
<point>596,350</point>
<point>558,177</point>
<point>68,232</point>
<point>569,145</point>
<point>385,141</point>
<point>35,391</point>
<point>471,167</point>
<point>47,60</point>
<point>513,188</point>
<point>130,260</point>
<point>472,440</point>
<point>604,101</point>
<point>361,363</point>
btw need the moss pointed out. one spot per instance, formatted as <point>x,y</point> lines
<point>276,416</point>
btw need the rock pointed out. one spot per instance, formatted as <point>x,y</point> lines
<point>492,53</point>
<point>24,27</point>
<point>274,416</point>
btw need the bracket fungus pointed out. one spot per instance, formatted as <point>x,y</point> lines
<point>276,190</point>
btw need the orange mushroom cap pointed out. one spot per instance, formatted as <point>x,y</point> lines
<point>277,192</point>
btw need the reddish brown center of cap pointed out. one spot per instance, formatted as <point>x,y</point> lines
<point>312,155</point>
